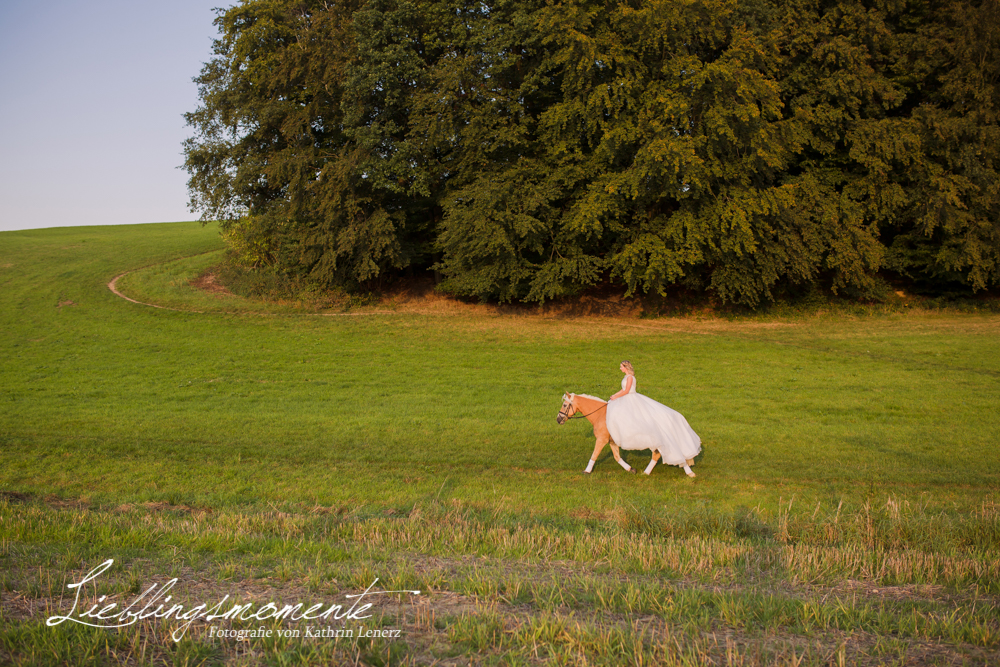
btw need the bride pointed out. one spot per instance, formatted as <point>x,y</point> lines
<point>638,422</point>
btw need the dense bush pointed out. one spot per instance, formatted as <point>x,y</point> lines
<point>526,149</point>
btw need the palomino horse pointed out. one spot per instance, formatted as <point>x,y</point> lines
<point>596,412</point>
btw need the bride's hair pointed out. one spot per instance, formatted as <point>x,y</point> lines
<point>628,365</point>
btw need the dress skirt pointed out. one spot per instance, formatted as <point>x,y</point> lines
<point>638,422</point>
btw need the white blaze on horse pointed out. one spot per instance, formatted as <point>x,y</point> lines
<point>595,410</point>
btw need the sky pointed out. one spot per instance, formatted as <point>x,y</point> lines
<point>92,97</point>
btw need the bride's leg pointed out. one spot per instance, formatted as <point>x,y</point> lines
<point>622,462</point>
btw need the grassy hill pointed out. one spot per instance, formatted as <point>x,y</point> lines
<point>845,509</point>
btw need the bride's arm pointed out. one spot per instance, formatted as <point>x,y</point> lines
<point>628,386</point>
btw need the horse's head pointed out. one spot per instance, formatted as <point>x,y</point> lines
<point>567,409</point>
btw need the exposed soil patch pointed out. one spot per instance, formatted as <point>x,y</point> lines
<point>420,295</point>
<point>208,282</point>
<point>67,504</point>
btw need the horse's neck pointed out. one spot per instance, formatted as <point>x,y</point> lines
<point>591,408</point>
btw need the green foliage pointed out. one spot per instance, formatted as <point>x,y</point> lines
<point>527,150</point>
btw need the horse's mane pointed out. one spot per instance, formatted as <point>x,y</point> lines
<point>592,397</point>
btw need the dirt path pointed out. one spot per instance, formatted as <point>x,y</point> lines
<point>113,286</point>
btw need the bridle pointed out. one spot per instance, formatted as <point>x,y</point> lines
<point>578,415</point>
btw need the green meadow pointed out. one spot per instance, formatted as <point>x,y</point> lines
<point>846,509</point>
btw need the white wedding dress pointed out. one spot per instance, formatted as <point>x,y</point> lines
<point>638,422</point>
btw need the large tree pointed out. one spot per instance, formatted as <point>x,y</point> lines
<point>527,149</point>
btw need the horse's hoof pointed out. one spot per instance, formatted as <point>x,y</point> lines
<point>632,470</point>
<point>691,474</point>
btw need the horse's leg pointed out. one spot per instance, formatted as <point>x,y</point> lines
<point>597,452</point>
<point>652,462</point>
<point>622,462</point>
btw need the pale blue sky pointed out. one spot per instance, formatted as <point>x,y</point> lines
<point>91,102</point>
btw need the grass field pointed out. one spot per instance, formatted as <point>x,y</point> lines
<point>846,509</point>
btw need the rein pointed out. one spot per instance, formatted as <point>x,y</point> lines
<point>578,415</point>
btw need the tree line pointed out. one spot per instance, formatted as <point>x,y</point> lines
<point>527,149</point>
